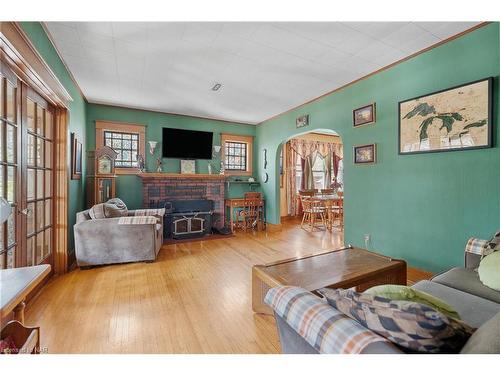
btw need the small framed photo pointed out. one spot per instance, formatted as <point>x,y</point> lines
<point>188,166</point>
<point>364,115</point>
<point>302,121</point>
<point>365,154</point>
<point>76,157</point>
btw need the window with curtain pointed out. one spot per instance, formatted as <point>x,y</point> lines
<point>318,172</point>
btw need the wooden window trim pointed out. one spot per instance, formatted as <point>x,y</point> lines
<point>122,127</point>
<point>248,139</point>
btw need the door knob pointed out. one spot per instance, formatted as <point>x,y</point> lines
<point>26,211</point>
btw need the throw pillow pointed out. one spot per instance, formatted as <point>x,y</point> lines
<point>104,211</point>
<point>489,271</point>
<point>494,242</point>
<point>486,340</point>
<point>120,205</point>
<point>405,293</point>
<point>410,325</point>
<point>8,346</point>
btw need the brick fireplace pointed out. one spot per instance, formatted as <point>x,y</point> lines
<point>159,187</point>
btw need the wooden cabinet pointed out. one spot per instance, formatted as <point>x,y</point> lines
<point>100,175</point>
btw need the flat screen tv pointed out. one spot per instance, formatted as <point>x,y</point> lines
<point>187,144</point>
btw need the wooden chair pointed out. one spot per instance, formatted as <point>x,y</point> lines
<point>307,192</point>
<point>252,195</point>
<point>251,214</point>
<point>327,191</point>
<point>335,212</point>
<point>25,339</point>
<point>313,213</point>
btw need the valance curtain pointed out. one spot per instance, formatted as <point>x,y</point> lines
<point>308,151</point>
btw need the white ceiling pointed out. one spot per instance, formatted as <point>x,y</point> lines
<point>264,68</point>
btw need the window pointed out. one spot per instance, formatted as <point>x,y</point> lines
<point>237,154</point>
<point>128,140</point>
<point>126,145</point>
<point>318,172</point>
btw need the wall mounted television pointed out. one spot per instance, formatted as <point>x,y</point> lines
<point>187,144</point>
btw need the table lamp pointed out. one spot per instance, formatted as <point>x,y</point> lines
<point>5,210</point>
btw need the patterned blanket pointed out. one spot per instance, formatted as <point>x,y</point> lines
<point>323,327</point>
<point>478,246</point>
<point>150,212</point>
<point>137,220</point>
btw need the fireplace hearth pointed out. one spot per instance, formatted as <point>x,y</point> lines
<point>186,218</point>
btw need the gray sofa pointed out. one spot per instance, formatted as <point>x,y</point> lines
<point>104,241</point>
<point>477,305</point>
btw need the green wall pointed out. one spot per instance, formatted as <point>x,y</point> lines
<point>77,113</point>
<point>422,208</point>
<point>129,187</point>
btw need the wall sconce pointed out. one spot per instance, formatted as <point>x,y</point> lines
<point>217,149</point>
<point>152,146</point>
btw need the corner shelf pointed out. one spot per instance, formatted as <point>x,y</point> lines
<point>249,183</point>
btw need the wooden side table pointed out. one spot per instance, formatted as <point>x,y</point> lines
<point>15,285</point>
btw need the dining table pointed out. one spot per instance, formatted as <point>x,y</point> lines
<point>332,201</point>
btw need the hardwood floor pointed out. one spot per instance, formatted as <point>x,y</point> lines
<point>196,298</point>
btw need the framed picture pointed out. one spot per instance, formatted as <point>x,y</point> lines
<point>76,157</point>
<point>364,115</point>
<point>458,118</point>
<point>188,166</point>
<point>365,154</point>
<point>302,121</point>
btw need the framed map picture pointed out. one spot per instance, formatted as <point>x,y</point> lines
<point>457,118</point>
<point>365,154</point>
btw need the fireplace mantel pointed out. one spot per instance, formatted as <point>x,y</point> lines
<point>197,176</point>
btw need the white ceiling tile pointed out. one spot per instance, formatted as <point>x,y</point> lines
<point>96,41</point>
<point>376,30</point>
<point>444,30</point>
<point>95,27</point>
<point>264,68</point>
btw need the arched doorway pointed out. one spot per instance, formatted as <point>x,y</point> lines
<point>311,160</point>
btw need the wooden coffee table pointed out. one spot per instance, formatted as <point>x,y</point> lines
<point>344,268</point>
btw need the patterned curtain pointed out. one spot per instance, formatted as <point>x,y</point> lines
<point>328,170</point>
<point>291,181</point>
<point>307,150</point>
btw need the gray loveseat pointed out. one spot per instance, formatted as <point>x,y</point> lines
<point>477,305</point>
<point>104,241</point>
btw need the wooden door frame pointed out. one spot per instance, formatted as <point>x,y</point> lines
<point>19,54</point>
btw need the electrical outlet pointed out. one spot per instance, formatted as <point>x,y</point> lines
<point>367,238</point>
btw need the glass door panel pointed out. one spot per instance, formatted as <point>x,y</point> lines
<point>10,129</point>
<point>26,178</point>
<point>39,179</point>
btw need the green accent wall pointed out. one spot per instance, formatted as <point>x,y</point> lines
<point>421,208</point>
<point>129,187</point>
<point>77,111</point>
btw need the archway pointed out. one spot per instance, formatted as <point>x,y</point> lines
<point>325,148</point>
